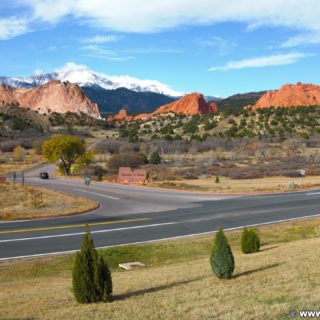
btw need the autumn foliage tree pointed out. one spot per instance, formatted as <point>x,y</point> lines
<point>19,153</point>
<point>66,150</point>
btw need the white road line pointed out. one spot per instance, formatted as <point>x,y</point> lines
<point>92,232</point>
<point>162,239</point>
<point>98,194</point>
<point>313,193</point>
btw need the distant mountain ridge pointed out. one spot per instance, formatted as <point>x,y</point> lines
<point>111,93</point>
<point>111,101</point>
<point>238,101</point>
<point>85,77</point>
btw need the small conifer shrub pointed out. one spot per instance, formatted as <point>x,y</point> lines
<point>221,260</point>
<point>91,277</point>
<point>250,241</point>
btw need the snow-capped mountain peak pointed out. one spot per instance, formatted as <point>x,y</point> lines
<point>84,77</point>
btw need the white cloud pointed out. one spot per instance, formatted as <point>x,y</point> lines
<point>260,62</point>
<point>96,51</point>
<point>38,72</point>
<point>150,50</point>
<point>12,27</point>
<point>102,39</point>
<point>151,16</point>
<point>223,46</point>
<point>302,39</point>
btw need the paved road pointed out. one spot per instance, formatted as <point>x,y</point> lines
<point>136,214</point>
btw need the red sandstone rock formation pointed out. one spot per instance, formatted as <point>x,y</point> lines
<point>190,104</point>
<point>122,115</point>
<point>141,116</point>
<point>290,96</point>
<point>55,96</point>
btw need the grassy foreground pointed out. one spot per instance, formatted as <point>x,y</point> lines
<point>177,282</point>
<point>20,203</point>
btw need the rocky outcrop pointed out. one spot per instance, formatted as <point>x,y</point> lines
<point>55,96</point>
<point>190,104</point>
<point>290,96</point>
<point>120,116</point>
<point>7,95</point>
<point>141,116</point>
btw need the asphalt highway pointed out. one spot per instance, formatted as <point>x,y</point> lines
<point>130,215</point>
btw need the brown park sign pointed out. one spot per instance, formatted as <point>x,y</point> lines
<point>127,175</point>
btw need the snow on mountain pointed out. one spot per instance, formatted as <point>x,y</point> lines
<point>85,77</point>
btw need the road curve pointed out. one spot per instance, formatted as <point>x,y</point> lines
<point>136,214</point>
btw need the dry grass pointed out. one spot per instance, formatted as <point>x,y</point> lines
<point>9,164</point>
<point>19,203</point>
<point>227,185</point>
<point>267,285</point>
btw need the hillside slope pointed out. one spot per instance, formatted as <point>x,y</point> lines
<point>111,101</point>
<point>238,101</point>
<point>55,96</point>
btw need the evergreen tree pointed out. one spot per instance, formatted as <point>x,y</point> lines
<point>221,260</point>
<point>91,278</point>
<point>250,241</point>
<point>217,180</point>
<point>105,280</point>
<point>155,158</point>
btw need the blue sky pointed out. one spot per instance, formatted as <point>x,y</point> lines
<point>210,46</point>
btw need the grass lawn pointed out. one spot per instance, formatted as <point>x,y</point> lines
<point>19,203</point>
<point>177,282</point>
<point>226,185</point>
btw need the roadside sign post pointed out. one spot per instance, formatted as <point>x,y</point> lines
<point>22,178</point>
<point>302,175</point>
<point>14,175</point>
<point>87,181</point>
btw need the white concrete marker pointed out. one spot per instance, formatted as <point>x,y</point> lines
<point>131,265</point>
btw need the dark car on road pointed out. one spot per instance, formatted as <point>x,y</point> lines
<point>44,175</point>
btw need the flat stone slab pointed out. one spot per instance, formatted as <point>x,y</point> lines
<point>131,265</point>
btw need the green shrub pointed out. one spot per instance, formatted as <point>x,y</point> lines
<point>91,278</point>
<point>99,176</point>
<point>250,241</point>
<point>155,158</point>
<point>217,180</point>
<point>221,260</point>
